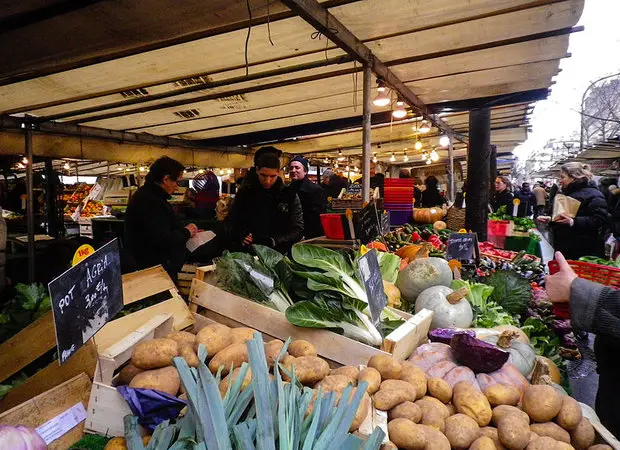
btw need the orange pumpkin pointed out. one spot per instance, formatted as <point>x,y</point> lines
<point>428,215</point>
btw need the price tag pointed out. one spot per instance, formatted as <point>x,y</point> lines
<point>83,252</point>
<point>85,298</point>
<point>463,247</point>
<point>370,223</point>
<point>355,189</point>
<point>370,273</point>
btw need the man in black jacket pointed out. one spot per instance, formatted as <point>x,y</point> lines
<point>154,232</point>
<point>311,196</point>
<point>265,211</point>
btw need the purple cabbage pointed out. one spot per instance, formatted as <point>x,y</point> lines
<point>479,356</point>
<point>561,326</point>
<point>445,335</point>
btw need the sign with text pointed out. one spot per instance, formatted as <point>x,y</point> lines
<point>370,223</point>
<point>355,189</point>
<point>85,298</point>
<point>463,247</point>
<point>370,273</point>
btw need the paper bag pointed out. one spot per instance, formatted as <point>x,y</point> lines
<point>563,204</point>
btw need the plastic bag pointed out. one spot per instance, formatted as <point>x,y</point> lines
<point>152,407</point>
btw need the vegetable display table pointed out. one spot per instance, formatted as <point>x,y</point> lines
<point>518,243</point>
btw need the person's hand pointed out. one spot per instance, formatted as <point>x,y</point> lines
<point>558,284</point>
<point>543,219</point>
<point>193,229</point>
<point>564,219</point>
<point>248,239</point>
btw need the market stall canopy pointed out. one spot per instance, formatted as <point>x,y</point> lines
<point>602,157</point>
<point>211,73</point>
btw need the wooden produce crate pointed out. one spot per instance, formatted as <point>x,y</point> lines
<point>106,406</point>
<point>185,277</point>
<point>230,309</point>
<point>46,406</point>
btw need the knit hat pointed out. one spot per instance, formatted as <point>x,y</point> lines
<point>300,159</point>
<point>267,149</point>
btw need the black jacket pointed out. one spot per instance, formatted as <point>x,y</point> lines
<point>313,204</point>
<point>585,236</point>
<point>503,198</point>
<point>528,200</point>
<point>154,232</point>
<point>431,197</point>
<point>273,216</point>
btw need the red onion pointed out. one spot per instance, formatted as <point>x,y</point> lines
<point>20,438</point>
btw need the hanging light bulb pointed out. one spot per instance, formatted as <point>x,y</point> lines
<point>424,155</point>
<point>434,155</point>
<point>405,157</point>
<point>418,145</point>
<point>142,168</point>
<point>25,161</point>
<point>185,171</point>
<point>340,156</point>
<point>444,141</point>
<point>428,161</point>
<point>346,168</point>
<point>326,161</point>
<point>424,127</point>
<point>382,99</point>
<point>374,157</point>
<point>399,112</point>
<point>392,158</point>
<point>67,166</point>
<point>356,169</point>
<point>230,171</point>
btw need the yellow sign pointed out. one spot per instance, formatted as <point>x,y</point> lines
<point>516,201</point>
<point>82,253</point>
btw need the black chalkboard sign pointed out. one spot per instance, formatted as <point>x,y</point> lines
<point>371,223</point>
<point>370,273</point>
<point>354,189</point>
<point>463,247</point>
<point>85,298</point>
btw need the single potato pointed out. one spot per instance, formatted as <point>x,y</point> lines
<point>461,431</point>
<point>371,376</point>
<point>388,367</point>
<point>182,336</point>
<point>435,439</point>
<point>499,412</point>
<point>155,353</point>
<point>214,337</point>
<point>126,374</point>
<point>440,389</point>
<point>407,435</point>
<point>406,410</point>
<point>491,433</point>
<point>541,402</point>
<point>543,443</point>
<point>570,413</point>
<point>348,371</point>
<point>514,432</point>
<point>470,401</point>
<point>416,376</point>
<point>309,370</point>
<point>334,383</point>
<point>241,335</point>
<point>230,358</point>
<point>503,394</point>
<point>301,348</point>
<point>551,430</point>
<point>272,350</point>
<point>165,379</point>
<point>186,351</point>
<point>362,412</point>
<point>428,403</point>
<point>392,394</point>
<point>483,443</point>
<point>582,437</point>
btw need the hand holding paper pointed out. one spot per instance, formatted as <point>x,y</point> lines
<point>199,239</point>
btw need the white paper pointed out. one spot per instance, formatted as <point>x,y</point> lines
<point>199,239</point>
<point>62,423</point>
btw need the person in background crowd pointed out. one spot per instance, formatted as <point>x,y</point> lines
<point>553,190</point>
<point>311,196</point>
<point>378,181</point>
<point>207,196</point>
<point>527,200</point>
<point>154,233</point>
<point>251,176</point>
<point>265,211</point>
<point>582,235</point>
<point>431,195</point>
<point>594,308</point>
<point>336,185</point>
<point>503,196</point>
<point>417,192</point>
<point>404,173</point>
<point>459,201</point>
<point>540,195</point>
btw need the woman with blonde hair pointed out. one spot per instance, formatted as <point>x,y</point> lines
<point>503,195</point>
<point>583,234</point>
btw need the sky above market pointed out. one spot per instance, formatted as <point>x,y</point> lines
<point>595,54</point>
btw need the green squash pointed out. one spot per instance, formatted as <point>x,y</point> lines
<point>522,355</point>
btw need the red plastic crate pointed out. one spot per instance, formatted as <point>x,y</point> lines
<point>609,276</point>
<point>397,182</point>
<point>498,227</point>
<point>332,226</point>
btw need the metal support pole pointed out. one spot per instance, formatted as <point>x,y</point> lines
<point>478,167</point>
<point>366,135</point>
<point>451,174</point>
<point>29,203</point>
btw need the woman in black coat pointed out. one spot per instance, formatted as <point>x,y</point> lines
<point>431,196</point>
<point>502,196</point>
<point>583,234</point>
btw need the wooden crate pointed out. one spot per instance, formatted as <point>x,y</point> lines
<point>185,277</point>
<point>234,311</point>
<point>38,410</point>
<point>106,406</point>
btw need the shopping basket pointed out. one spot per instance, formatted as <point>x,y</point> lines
<point>607,275</point>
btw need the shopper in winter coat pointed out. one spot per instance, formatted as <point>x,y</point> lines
<point>541,195</point>
<point>502,196</point>
<point>526,200</point>
<point>311,196</point>
<point>431,196</point>
<point>154,233</point>
<point>594,308</point>
<point>265,211</point>
<point>583,234</point>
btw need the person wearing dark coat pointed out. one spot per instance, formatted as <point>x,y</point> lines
<point>502,196</point>
<point>431,196</point>
<point>265,211</point>
<point>154,233</point>
<point>583,234</point>
<point>311,196</point>
<point>527,200</point>
<point>594,308</point>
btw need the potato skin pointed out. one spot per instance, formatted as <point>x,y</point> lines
<point>430,403</point>
<point>272,350</point>
<point>472,402</point>
<point>362,411</point>
<point>186,351</point>
<point>551,430</point>
<point>406,410</point>
<point>232,377</point>
<point>541,402</point>
<point>501,411</point>
<point>392,393</point>
<point>416,376</point>
<point>483,443</point>
<point>215,338</point>
<point>372,377</point>
<point>407,435</point>
<point>348,371</point>
<point>309,370</point>
<point>502,394</point>
<point>435,439</point>
<point>301,348</point>
<point>165,379</point>
<point>542,443</point>
<point>388,367</point>
<point>234,355</point>
<point>513,432</point>
<point>570,413</point>
<point>126,374</point>
<point>440,389</point>
<point>491,433</point>
<point>182,336</point>
<point>241,335</point>
<point>582,437</point>
<point>155,353</point>
<point>461,431</point>
<point>334,383</point>
<point>600,447</point>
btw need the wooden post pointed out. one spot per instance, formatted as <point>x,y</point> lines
<point>366,135</point>
<point>478,155</point>
<point>451,169</point>
<point>492,170</point>
<point>51,193</point>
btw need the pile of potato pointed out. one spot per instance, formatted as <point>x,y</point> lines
<point>428,414</point>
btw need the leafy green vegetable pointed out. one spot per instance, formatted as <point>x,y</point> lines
<point>29,303</point>
<point>487,313</point>
<point>511,292</point>
<point>543,339</point>
<point>389,263</point>
<point>601,261</point>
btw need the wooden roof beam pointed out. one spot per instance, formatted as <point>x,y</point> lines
<point>329,26</point>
